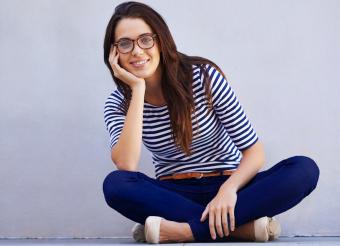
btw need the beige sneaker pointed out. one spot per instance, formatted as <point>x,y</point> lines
<point>266,229</point>
<point>152,228</point>
<point>274,229</point>
<point>138,233</point>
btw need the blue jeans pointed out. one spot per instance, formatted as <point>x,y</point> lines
<point>271,192</point>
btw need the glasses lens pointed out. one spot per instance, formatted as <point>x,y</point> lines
<point>145,42</point>
<point>125,46</point>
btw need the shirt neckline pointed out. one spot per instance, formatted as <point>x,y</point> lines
<point>155,106</point>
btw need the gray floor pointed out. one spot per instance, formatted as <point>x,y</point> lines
<point>129,241</point>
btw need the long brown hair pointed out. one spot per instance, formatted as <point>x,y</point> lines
<point>177,76</point>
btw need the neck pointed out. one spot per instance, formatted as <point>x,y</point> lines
<point>153,88</point>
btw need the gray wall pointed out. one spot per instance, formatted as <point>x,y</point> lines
<point>281,57</point>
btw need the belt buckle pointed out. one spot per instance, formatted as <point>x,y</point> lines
<point>199,177</point>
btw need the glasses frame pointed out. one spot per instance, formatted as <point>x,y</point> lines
<point>152,35</point>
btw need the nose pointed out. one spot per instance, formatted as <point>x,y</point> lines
<point>136,49</point>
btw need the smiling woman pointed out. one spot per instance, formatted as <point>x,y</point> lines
<point>206,153</point>
<point>142,59</point>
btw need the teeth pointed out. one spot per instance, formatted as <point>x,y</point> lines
<point>140,62</point>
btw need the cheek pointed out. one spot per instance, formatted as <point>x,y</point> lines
<point>156,56</point>
<point>122,61</point>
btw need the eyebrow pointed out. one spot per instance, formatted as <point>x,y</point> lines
<point>137,37</point>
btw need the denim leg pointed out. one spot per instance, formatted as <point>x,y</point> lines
<point>137,196</point>
<point>270,192</point>
<point>277,189</point>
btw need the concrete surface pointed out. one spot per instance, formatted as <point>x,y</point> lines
<point>129,241</point>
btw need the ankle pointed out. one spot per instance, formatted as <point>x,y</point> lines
<point>244,232</point>
<point>172,231</point>
<point>187,233</point>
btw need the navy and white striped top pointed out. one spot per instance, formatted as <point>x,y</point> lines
<point>224,132</point>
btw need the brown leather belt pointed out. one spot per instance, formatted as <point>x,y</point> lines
<point>197,175</point>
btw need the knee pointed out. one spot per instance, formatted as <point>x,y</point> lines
<point>114,184</point>
<point>310,171</point>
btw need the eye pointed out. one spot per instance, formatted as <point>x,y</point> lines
<point>124,43</point>
<point>146,39</point>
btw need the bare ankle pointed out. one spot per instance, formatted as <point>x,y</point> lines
<point>244,232</point>
<point>187,233</point>
<point>172,231</point>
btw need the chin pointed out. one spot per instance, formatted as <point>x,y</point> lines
<point>140,75</point>
<point>143,74</point>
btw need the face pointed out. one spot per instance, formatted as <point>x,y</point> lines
<point>132,28</point>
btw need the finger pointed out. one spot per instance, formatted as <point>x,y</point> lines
<point>218,223</point>
<point>204,214</point>
<point>225,221</point>
<point>231,219</point>
<point>114,62</point>
<point>116,58</point>
<point>110,54</point>
<point>212,224</point>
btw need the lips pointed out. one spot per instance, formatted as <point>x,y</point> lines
<point>139,63</point>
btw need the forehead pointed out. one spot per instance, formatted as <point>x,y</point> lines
<point>131,28</point>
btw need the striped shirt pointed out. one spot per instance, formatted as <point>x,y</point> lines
<point>223,132</point>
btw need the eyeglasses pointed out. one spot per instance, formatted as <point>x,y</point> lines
<point>126,45</point>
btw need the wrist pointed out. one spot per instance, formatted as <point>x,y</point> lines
<point>139,87</point>
<point>229,186</point>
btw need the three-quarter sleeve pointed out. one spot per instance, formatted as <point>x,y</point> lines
<point>229,111</point>
<point>114,116</point>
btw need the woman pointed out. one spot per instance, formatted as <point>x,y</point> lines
<point>207,155</point>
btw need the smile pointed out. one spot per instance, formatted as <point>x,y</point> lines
<point>139,63</point>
